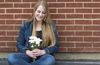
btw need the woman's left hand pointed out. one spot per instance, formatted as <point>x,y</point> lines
<point>38,52</point>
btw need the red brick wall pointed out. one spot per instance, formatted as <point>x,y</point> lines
<point>78,23</point>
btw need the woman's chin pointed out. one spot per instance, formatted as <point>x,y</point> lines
<point>39,20</point>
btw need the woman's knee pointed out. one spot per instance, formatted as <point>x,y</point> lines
<point>12,58</point>
<point>49,57</point>
<point>48,60</point>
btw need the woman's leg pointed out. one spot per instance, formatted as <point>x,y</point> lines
<point>18,59</point>
<point>46,59</point>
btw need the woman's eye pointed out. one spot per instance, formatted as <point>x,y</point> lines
<point>44,12</point>
<point>38,11</point>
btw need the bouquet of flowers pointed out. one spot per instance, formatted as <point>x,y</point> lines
<point>34,42</point>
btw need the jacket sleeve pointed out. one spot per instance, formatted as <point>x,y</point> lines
<point>53,49</point>
<point>21,40</point>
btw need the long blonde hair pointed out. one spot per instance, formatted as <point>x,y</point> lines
<point>48,37</point>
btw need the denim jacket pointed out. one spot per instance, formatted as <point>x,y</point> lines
<point>23,38</point>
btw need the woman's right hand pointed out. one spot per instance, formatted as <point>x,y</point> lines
<point>30,53</point>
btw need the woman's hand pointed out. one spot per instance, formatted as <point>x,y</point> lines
<point>30,53</point>
<point>38,52</point>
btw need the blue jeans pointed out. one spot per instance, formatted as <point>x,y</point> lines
<point>23,59</point>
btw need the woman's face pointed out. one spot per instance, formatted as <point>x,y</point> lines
<point>40,13</point>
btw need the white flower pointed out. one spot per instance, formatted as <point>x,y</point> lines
<point>38,40</point>
<point>33,37</point>
<point>31,41</point>
<point>32,46</point>
<point>34,40</point>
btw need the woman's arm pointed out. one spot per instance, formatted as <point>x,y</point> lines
<point>54,48</point>
<point>21,40</point>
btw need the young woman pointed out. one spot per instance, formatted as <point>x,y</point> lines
<point>40,26</point>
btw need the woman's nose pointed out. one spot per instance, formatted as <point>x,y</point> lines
<point>40,14</point>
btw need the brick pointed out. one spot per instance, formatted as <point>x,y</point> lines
<point>19,22</point>
<point>12,33</point>
<point>52,10</point>
<point>76,5</point>
<point>16,38</point>
<point>75,39</point>
<point>51,0</point>
<point>6,5</point>
<point>91,27</point>
<point>12,0</point>
<point>65,22</point>
<point>96,33</point>
<point>32,5</point>
<point>83,50</point>
<point>91,4</point>
<point>66,33</point>
<point>58,16</point>
<point>96,10</point>
<point>96,44</point>
<point>83,10</point>
<point>11,44</point>
<point>21,5</point>
<point>56,5</point>
<point>83,45</point>
<point>2,44</point>
<point>87,16</point>
<point>66,44</point>
<point>96,0</point>
<point>2,21</point>
<point>17,27</point>
<point>92,39</point>
<point>6,27</point>
<point>74,28</point>
<point>83,33</point>
<point>37,0</point>
<point>61,38</point>
<point>83,22</point>
<point>2,33</point>
<point>63,10</point>
<point>83,0</point>
<point>7,39</point>
<point>29,0</point>
<point>8,49</point>
<point>60,28</point>
<point>75,50</point>
<point>70,16</point>
<point>6,16</point>
<point>94,16</point>
<point>65,0</point>
<point>2,10</point>
<point>13,10</point>
<point>1,0</point>
<point>62,49</point>
<point>27,10</point>
<point>96,22</point>
<point>22,16</point>
<point>91,49</point>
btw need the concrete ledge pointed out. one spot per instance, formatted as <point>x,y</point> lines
<point>78,63</point>
<point>67,58</point>
<point>3,61</point>
<point>77,56</point>
<point>3,55</point>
